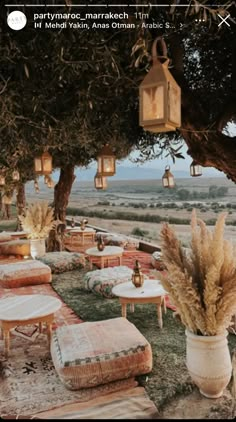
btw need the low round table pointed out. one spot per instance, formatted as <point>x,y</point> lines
<point>25,310</point>
<point>87,233</point>
<point>108,253</point>
<point>151,292</point>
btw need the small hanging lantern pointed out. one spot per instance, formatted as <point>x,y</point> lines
<point>100,182</point>
<point>2,180</point>
<point>168,178</point>
<point>195,169</point>
<point>15,175</point>
<point>159,95</point>
<point>137,276</point>
<point>106,162</point>
<point>36,186</point>
<point>43,164</point>
<point>50,182</point>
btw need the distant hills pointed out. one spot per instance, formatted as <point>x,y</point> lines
<point>140,173</point>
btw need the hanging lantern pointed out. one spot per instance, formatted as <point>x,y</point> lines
<point>106,162</point>
<point>159,95</point>
<point>100,182</point>
<point>195,169</point>
<point>50,182</point>
<point>137,276</point>
<point>43,164</point>
<point>2,180</point>
<point>168,178</point>
<point>16,176</point>
<point>36,186</point>
<point>46,179</point>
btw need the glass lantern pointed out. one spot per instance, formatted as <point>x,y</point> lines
<point>168,178</point>
<point>43,164</point>
<point>195,169</point>
<point>106,162</point>
<point>159,95</point>
<point>100,181</point>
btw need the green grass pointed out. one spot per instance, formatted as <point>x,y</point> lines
<point>169,376</point>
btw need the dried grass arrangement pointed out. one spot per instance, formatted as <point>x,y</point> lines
<point>201,282</point>
<point>38,220</point>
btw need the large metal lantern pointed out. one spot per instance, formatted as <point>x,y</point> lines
<point>168,178</point>
<point>43,164</point>
<point>100,181</point>
<point>159,95</point>
<point>195,169</point>
<point>106,162</point>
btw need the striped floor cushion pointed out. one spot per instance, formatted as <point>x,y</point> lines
<point>59,262</point>
<point>24,273</point>
<point>102,281</point>
<point>94,353</point>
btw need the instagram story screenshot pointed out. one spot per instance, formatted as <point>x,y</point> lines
<point>117,209</point>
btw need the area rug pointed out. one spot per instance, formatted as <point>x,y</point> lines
<point>29,383</point>
<point>133,403</point>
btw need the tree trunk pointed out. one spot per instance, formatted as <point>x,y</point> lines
<point>20,203</point>
<point>61,198</point>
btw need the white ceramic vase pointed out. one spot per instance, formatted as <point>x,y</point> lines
<point>209,363</point>
<point>37,247</point>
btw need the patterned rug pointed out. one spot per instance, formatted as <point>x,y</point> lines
<point>29,383</point>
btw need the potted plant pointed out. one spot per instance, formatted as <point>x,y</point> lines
<point>201,282</point>
<point>37,221</point>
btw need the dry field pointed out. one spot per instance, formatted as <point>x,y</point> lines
<point>122,195</point>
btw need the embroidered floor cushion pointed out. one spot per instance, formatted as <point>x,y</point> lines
<point>59,262</point>
<point>156,261</point>
<point>15,247</point>
<point>102,281</point>
<point>24,273</point>
<point>113,239</point>
<point>94,353</point>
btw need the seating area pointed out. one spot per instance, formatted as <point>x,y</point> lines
<point>85,356</point>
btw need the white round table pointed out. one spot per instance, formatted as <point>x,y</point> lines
<point>108,253</point>
<point>25,310</point>
<point>151,292</point>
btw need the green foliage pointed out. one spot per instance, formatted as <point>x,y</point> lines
<point>139,232</point>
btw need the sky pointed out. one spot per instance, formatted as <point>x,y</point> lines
<point>180,164</point>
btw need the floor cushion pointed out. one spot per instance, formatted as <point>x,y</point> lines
<point>102,281</point>
<point>114,239</point>
<point>59,262</point>
<point>5,237</point>
<point>93,353</point>
<point>156,261</point>
<point>15,247</point>
<point>24,273</point>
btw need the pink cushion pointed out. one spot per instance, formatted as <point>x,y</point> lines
<point>94,353</point>
<point>24,273</point>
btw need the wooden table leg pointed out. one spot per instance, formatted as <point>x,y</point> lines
<point>159,315</point>
<point>123,310</point>
<point>49,332</point>
<point>102,263</point>
<point>40,327</point>
<point>90,263</point>
<point>164,304</point>
<point>131,307</point>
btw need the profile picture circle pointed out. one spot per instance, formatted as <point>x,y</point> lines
<point>16,20</point>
